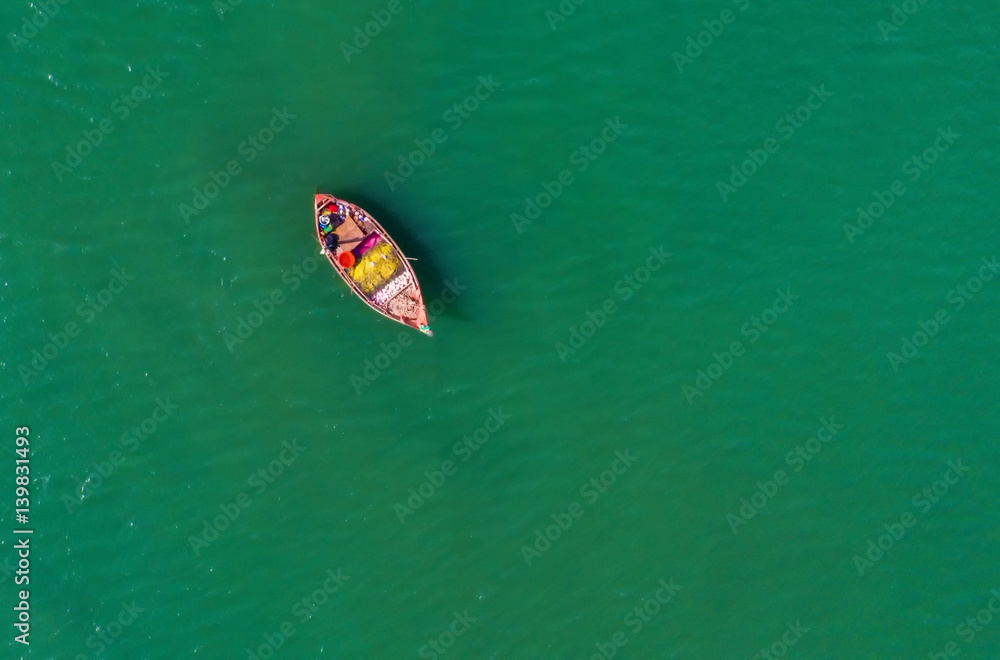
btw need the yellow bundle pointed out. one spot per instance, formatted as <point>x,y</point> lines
<point>376,267</point>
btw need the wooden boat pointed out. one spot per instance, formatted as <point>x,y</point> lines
<point>371,263</point>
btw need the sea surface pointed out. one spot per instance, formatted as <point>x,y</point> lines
<point>714,288</point>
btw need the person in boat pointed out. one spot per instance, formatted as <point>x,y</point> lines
<point>330,220</point>
<point>330,242</point>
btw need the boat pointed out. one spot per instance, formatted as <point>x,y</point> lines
<point>370,262</point>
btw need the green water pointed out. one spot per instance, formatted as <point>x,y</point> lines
<point>700,375</point>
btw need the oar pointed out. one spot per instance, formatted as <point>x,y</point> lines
<point>323,249</point>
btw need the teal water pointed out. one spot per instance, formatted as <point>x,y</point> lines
<point>181,516</point>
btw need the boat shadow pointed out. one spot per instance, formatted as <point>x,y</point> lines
<point>432,280</point>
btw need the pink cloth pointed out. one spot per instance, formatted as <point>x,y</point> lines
<point>370,241</point>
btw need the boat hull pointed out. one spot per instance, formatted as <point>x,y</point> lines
<point>369,261</point>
